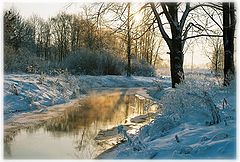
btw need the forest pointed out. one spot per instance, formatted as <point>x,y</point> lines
<point>85,73</point>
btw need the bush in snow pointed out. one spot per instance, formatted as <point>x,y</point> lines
<point>142,68</point>
<point>41,78</point>
<point>84,61</point>
<point>158,128</point>
<point>22,60</point>
<point>192,100</point>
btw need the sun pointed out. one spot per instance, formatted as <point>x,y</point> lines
<point>138,17</point>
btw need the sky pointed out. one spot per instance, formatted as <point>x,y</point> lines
<point>44,10</point>
<point>48,9</point>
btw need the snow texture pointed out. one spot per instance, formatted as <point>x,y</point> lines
<point>184,129</point>
<point>197,119</point>
<point>29,92</point>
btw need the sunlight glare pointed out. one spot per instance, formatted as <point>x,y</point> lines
<point>138,17</point>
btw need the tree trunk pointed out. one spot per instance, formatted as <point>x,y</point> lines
<point>176,63</point>
<point>216,63</point>
<point>128,43</point>
<point>176,52</point>
<point>229,22</point>
<point>175,43</point>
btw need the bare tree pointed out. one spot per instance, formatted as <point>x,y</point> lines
<point>227,26</point>
<point>61,33</point>
<point>229,22</point>
<point>216,56</point>
<point>128,40</point>
<point>175,44</point>
<point>179,34</point>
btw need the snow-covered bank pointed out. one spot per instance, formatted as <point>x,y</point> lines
<point>197,120</point>
<point>28,92</point>
<point>187,127</point>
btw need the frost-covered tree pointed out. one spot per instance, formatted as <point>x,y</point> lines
<point>17,32</point>
<point>178,20</point>
<point>216,55</point>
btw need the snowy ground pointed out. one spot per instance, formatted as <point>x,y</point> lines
<point>28,92</point>
<point>184,129</point>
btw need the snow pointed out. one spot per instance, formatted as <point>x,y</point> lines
<point>183,129</point>
<point>31,92</point>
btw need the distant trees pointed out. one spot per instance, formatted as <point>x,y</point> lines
<point>17,32</point>
<point>122,14</point>
<point>18,41</point>
<point>55,39</point>
<point>216,56</point>
<point>146,40</point>
<point>136,43</point>
<point>137,37</point>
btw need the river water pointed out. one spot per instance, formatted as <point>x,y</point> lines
<point>84,130</point>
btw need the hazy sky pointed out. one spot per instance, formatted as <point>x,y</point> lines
<point>47,9</point>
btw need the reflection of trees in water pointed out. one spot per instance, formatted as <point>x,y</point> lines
<point>95,112</point>
<point>102,110</point>
<point>95,108</point>
<point>86,147</point>
<point>87,117</point>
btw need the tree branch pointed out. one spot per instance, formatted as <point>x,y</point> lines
<point>202,35</point>
<point>184,16</point>
<point>145,31</point>
<point>160,25</point>
<point>212,18</point>
<point>168,16</point>
<point>206,5</point>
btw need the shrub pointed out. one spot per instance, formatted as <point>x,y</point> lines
<point>192,100</point>
<point>22,60</point>
<point>84,61</point>
<point>9,57</point>
<point>142,68</point>
<point>81,61</point>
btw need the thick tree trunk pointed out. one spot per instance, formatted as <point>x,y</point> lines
<point>176,62</point>
<point>176,52</point>
<point>229,22</point>
<point>175,44</point>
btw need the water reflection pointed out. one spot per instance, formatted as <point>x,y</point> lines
<point>79,127</point>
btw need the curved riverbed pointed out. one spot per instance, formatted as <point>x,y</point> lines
<point>80,130</point>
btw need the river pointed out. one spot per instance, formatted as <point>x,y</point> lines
<point>84,130</point>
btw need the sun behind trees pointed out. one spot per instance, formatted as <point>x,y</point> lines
<point>81,43</point>
<point>119,80</point>
<point>115,38</point>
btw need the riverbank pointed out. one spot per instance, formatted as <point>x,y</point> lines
<point>31,99</point>
<point>86,126</point>
<point>29,92</point>
<point>185,128</point>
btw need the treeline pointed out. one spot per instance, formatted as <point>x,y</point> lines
<point>67,41</point>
